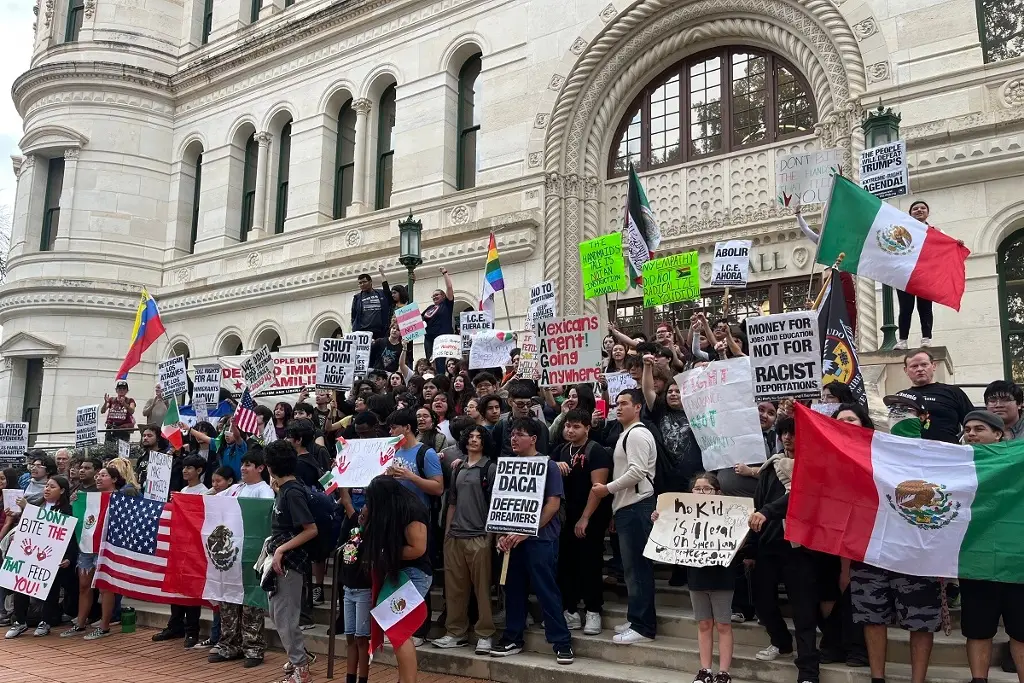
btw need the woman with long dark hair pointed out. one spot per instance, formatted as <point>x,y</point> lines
<point>577,397</point>
<point>395,538</point>
<point>282,416</point>
<point>427,428</point>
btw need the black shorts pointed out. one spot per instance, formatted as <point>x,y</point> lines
<point>984,602</point>
<point>826,570</point>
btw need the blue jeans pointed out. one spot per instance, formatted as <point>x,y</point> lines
<point>422,581</point>
<point>633,524</point>
<point>215,629</point>
<point>535,561</point>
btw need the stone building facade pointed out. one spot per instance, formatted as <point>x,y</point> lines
<point>246,161</point>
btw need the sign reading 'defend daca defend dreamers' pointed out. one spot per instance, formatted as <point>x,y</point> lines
<point>517,496</point>
<point>569,350</point>
<point>35,554</point>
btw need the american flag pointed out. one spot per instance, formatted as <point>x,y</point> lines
<point>133,555</point>
<point>245,415</point>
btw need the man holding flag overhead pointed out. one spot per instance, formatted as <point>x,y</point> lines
<point>147,329</point>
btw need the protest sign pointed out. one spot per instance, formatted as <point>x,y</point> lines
<point>671,279</point>
<point>206,384</point>
<point>491,349</point>
<point>529,367</point>
<point>602,268</point>
<point>172,378</point>
<point>361,348</point>
<point>517,496</point>
<point>358,461</point>
<point>806,176</point>
<point>11,497</point>
<point>448,346</point>
<point>883,170</point>
<point>410,322</point>
<point>335,363</point>
<point>292,374</point>
<point>785,354</point>
<point>124,449</point>
<point>697,530</point>
<point>542,303</point>
<point>13,442</point>
<point>828,409</point>
<point>472,322</point>
<point>719,400</point>
<point>618,382</point>
<point>87,425</point>
<point>569,350</point>
<point>158,476</point>
<point>202,412</point>
<point>732,264</point>
<point>258,370</point>
<point>31,563</point>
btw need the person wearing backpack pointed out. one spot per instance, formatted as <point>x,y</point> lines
<point>633,501</point>
<point>583,463</point>
<point>467,546</point>
<point>418,468</point>
<point>301,433</point>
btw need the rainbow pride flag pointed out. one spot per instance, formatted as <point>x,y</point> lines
<point>493,280</point>
<point>148,328</point>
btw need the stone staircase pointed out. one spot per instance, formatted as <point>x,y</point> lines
<point>671,658</point>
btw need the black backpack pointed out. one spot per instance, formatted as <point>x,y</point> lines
<point>486,477</point>
<point>322,507</point>
<point>670,472</point>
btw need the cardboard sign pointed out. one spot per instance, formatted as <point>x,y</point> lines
<point>448,346</point>
<point>87,425</point>
<point>13,442</point>
<point>410,322</point>
<point>602,268</point>
<point>731,266</point>
<point>335,363</point>
<point>617,383</point>
<point>806,176</point>
<point>206,384</point>
<point>671,279</point>
<point>517,496</point>
<point>358,461</point>
<point>258,370</point>
<point>158,476</point>
<point>785,354</point>
<point>172,377</point>
<point>698,530</point>
<point>472,322</point>
<point>529,365</point>
<point>719,400</point>
<point>31,563</point>
<point>883,170</point>
<point>491,349</point>
<point>569,350</point>
<point>362,342</point>
<point>543,303</point>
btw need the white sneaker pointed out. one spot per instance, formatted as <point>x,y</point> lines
<point>738,618</point>
<point>629,637</point>
<point>43,629</point>
<point>771,653</point>
<point>417,642</point>
<point>593,625</point>
<point>483,646</point>
<point>622,628</point>
<point>16,630</point>
<point>926,342</point>
<point>901,345</point>
<point>572,620</point>
<point>448,642</point>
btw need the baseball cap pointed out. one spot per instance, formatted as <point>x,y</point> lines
<point>991,419</point>
<point>907,398</point>
<point>121,383</point>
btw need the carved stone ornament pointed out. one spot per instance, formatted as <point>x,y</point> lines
<point>541,120</point>
<point>71,154</point>
<point>353,238</point>
<point>578,46</point>
<point>362,106</point>
<point>254,260</point>
<point>48,13</point>
<point>556,82</point>
<point>263,138</point>
<point>50,361</point>
<point>1013,92</point>
<point>705,271</point>
<point>608,13</point>
<point>800,256</point>
<point>535,159</point>
<point>90,8</point>
<point>459,215</point>
<point>877,72</point>
<point>183,274</point>
<point>865,29</point>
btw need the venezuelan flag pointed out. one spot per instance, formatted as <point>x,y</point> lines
<point>493,280</point>
<point>148,328</point>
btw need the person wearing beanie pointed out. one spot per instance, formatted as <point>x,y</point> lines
<point>982,427</point>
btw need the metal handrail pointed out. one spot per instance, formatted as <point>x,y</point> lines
<point>332,627</point>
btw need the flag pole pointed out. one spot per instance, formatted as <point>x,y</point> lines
<point>725,303</point>
<point>508,314</point>
<point>827,280</point>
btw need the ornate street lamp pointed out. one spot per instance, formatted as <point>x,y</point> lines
<point>410,231</point>
<point>882,126</point>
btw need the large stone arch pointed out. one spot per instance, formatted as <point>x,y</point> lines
<point>625,52</point>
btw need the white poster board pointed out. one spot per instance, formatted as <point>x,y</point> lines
<point>491,349</point>
<point>543,303</point>
<point>258,370</point>
<point>11,497</point>
<point>472,322</point>
<point>569,350</point>
<point>158,476</point>
<point>335,363</point>
<point>617,383</point>
<point>785,355</point>
<point>206,384</point>
<point>698,530</point>
<point>807,176</point>
<point>448,346</point>
<point>883,170</point>
<point>517,496</point>
<point>529,367</point>
<point>124,449</point>
<point>719,400</point>
<point>13,442</point>
<point>173,380</point>
<point>358,461</point>
<point>87,425</point>
<point>30,565</point>
<point>731,266</point>
<point>362,342</point>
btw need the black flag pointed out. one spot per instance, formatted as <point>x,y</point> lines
<point>839,360</point>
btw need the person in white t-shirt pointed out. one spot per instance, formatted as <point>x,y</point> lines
<point>192,472</point>
<point>255,478</point>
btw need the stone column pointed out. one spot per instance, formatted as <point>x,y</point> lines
<point>259,211</point>
<point>23,205</point>
<point>67,200</point>
<point>47,416</point>
<point>359,203</point>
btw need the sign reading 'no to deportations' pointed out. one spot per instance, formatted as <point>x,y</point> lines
<point>517,496</point>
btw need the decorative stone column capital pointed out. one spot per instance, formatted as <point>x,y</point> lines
<point>71,154</point>
<point>264,138</point>
<point>362,106</point>
<point>50,361</point>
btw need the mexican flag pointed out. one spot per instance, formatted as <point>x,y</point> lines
<point>882,243</point>
<point>919,507</point>
<point>91,511</point>
<point>399,612</point>
<point>640,229</point>
<point>170,428</point>
<point>218,539</point>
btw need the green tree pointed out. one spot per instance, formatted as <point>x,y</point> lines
<point>1002,29</point>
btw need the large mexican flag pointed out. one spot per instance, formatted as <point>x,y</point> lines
<point>216,540</point>
<point>881,242</point>
<point>914,506</point>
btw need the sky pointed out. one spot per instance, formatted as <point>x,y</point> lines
<point>16,36</point>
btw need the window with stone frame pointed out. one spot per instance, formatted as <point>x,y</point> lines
<point>207,21</point>
<point>1010,269</point>
<point>344,159</point>
<point>386,147</point>
<point>197,184</point>
<point>252,152</point>
<point>51,203</point>
<point>469,124</point>
<point>76,13</point>
<point>714,102</point>
<point>1001,25</point>
<point>283,166</point>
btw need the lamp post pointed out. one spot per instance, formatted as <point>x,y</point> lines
<point>880,127</point>
<point>410,231</point>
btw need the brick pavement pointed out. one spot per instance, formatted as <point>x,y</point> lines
<point>130,658</point>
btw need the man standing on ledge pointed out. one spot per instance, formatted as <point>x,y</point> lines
<point>371,308</point>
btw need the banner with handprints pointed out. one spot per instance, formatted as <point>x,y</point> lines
<point>36,551</point>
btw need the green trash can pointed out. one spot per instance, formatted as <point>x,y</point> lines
<point>127,620</point>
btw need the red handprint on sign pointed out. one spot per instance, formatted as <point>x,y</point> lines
<point>26,546</point>
<point>43,553</point>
